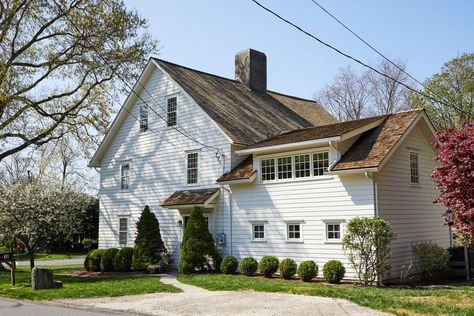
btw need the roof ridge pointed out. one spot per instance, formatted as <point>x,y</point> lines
<point>292,96</point>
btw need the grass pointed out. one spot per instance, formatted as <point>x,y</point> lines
<point>400,301</point>
<point>80,287</point>
<point>49,256</point>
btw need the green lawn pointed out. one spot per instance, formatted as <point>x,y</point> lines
<point>80,287</point>
<point>416,301</point>
<point>49,256</point>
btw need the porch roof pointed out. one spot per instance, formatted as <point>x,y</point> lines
<point>189,198</point>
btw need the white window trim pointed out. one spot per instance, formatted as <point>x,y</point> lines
<point>294,240</point>
<point>122,163</point>
<point>258,223</point>
<point>275,157</point>
<point>341,224</point>
<point>177,114</point>
<point>128,230</point>
<point>417,153</point>
<point>198,152</point>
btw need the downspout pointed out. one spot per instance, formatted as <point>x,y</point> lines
<point>375,190</point>
<point>230,207</point>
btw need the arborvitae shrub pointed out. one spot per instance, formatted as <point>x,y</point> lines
<point>149,247</point>
<point>248,266</point>
<point>268,265</point>
<point>197,246</point>
<point>287,268</point>
<point>107,261</point>
<point>123,259</point>
<point>308,270</point>
<point>229,265</point>
<point>93,258</point>
<point>334,271</point>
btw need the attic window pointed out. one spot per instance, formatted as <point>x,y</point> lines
<point>172,113</point>
<point>143,118</point>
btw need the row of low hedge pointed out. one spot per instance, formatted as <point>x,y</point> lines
<point>107,260</point>
<point>333,270</point>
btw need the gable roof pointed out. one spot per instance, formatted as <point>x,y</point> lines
<point>368,151</point>
<point>247,117</point>
<point>374,145</point>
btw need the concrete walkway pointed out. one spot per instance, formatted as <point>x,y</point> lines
<point>55,262</point>
<point>198,301</point>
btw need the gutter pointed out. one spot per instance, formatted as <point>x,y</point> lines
<point>375,190</point>
<point>224,188</point>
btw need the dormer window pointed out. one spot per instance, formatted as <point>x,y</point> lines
<point>172,106</point>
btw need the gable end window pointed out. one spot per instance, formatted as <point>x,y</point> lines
<point>123,231</point>
<point>192,168</point>
<point>414,168</point>
<point>258,232</point>
<point>267,167</point>
<point>124,176</point>
<point>293,231</point>
<point>143,118</point>
<point>172,105</point>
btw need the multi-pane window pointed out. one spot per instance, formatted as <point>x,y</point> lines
<point>320,163</point>
<point>284,168</point>
<point>143,118</point>
<point>258,231</point>
<point>333,231</point>
<point>123,231</point>
<point>267,169</point>
<point>192,168</point>
<point>172,104</point>
<point>124,176</point>
<point>414,168</point>
<point>302,166</point>
<point>294,231</point>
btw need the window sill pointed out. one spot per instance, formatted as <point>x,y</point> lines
<point>295,241</point>
<point>415,185</point>
<point>259,241</point>
<point>334,242</point>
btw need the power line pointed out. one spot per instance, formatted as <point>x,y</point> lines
<point>349,56</point>
<point>184,133</point>
<point>374,49</point>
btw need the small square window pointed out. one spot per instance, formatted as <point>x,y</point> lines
<point>123,231</point>
<point>302,166</point>
<point>172,105</point>
<point>294,231</point>
<point>258,231</point>
<point>333,231</point>
<point>267,167</point>
<point>124,176</point>
<point>414,168</point>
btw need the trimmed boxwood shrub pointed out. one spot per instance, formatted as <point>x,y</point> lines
<point>248,266</point>
<point>93,258</point>
<point>287,268</point>
<point>334,271</point>
<point>308,270</point>
<point>107,261</point>
<point>229,265</point>
<point>123,259</point>
<point>268,265</point>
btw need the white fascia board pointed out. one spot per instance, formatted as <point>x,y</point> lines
<point>289,146</point>
<point>187,95</point>
<point>120,117</point>
<point>249,180</point>
<point>209,203</point>
<point>362,129</point>
<point>355,170</point>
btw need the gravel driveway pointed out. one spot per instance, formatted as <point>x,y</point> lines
<point>198,301</point>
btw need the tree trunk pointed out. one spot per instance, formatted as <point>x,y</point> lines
<point>31,254</point>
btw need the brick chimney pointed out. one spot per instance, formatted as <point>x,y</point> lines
<point>251,69</point>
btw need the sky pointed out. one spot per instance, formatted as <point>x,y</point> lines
<point>206,34</point>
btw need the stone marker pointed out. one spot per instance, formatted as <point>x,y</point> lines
<point>43,279</point>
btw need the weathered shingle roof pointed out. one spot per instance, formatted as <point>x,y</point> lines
<point>373,145</point>
<point>190,197</point>
<point>243,171</point>
<point>246,117</point>
<point>313,133</point>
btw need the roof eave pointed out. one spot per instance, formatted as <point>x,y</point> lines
<point>239,181</point>
<point>353,170</point>
<point>288,146</point>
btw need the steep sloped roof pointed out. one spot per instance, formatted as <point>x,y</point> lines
<point>245,116</point>
<point>373,145</point>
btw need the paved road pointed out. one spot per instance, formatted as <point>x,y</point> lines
<point>12,307</point>
<point>57,262</point>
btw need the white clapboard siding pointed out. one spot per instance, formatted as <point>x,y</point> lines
<point>409,208</point>
<point>158,165</point>
<point>311,201</point>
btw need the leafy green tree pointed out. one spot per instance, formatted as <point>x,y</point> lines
<point>367,245</point>
<point>57,57</point>
<point>197,246</point>
<point>149,247</point>
<point>454,85</point>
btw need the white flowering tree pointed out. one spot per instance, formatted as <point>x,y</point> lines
<point>35,212</point>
